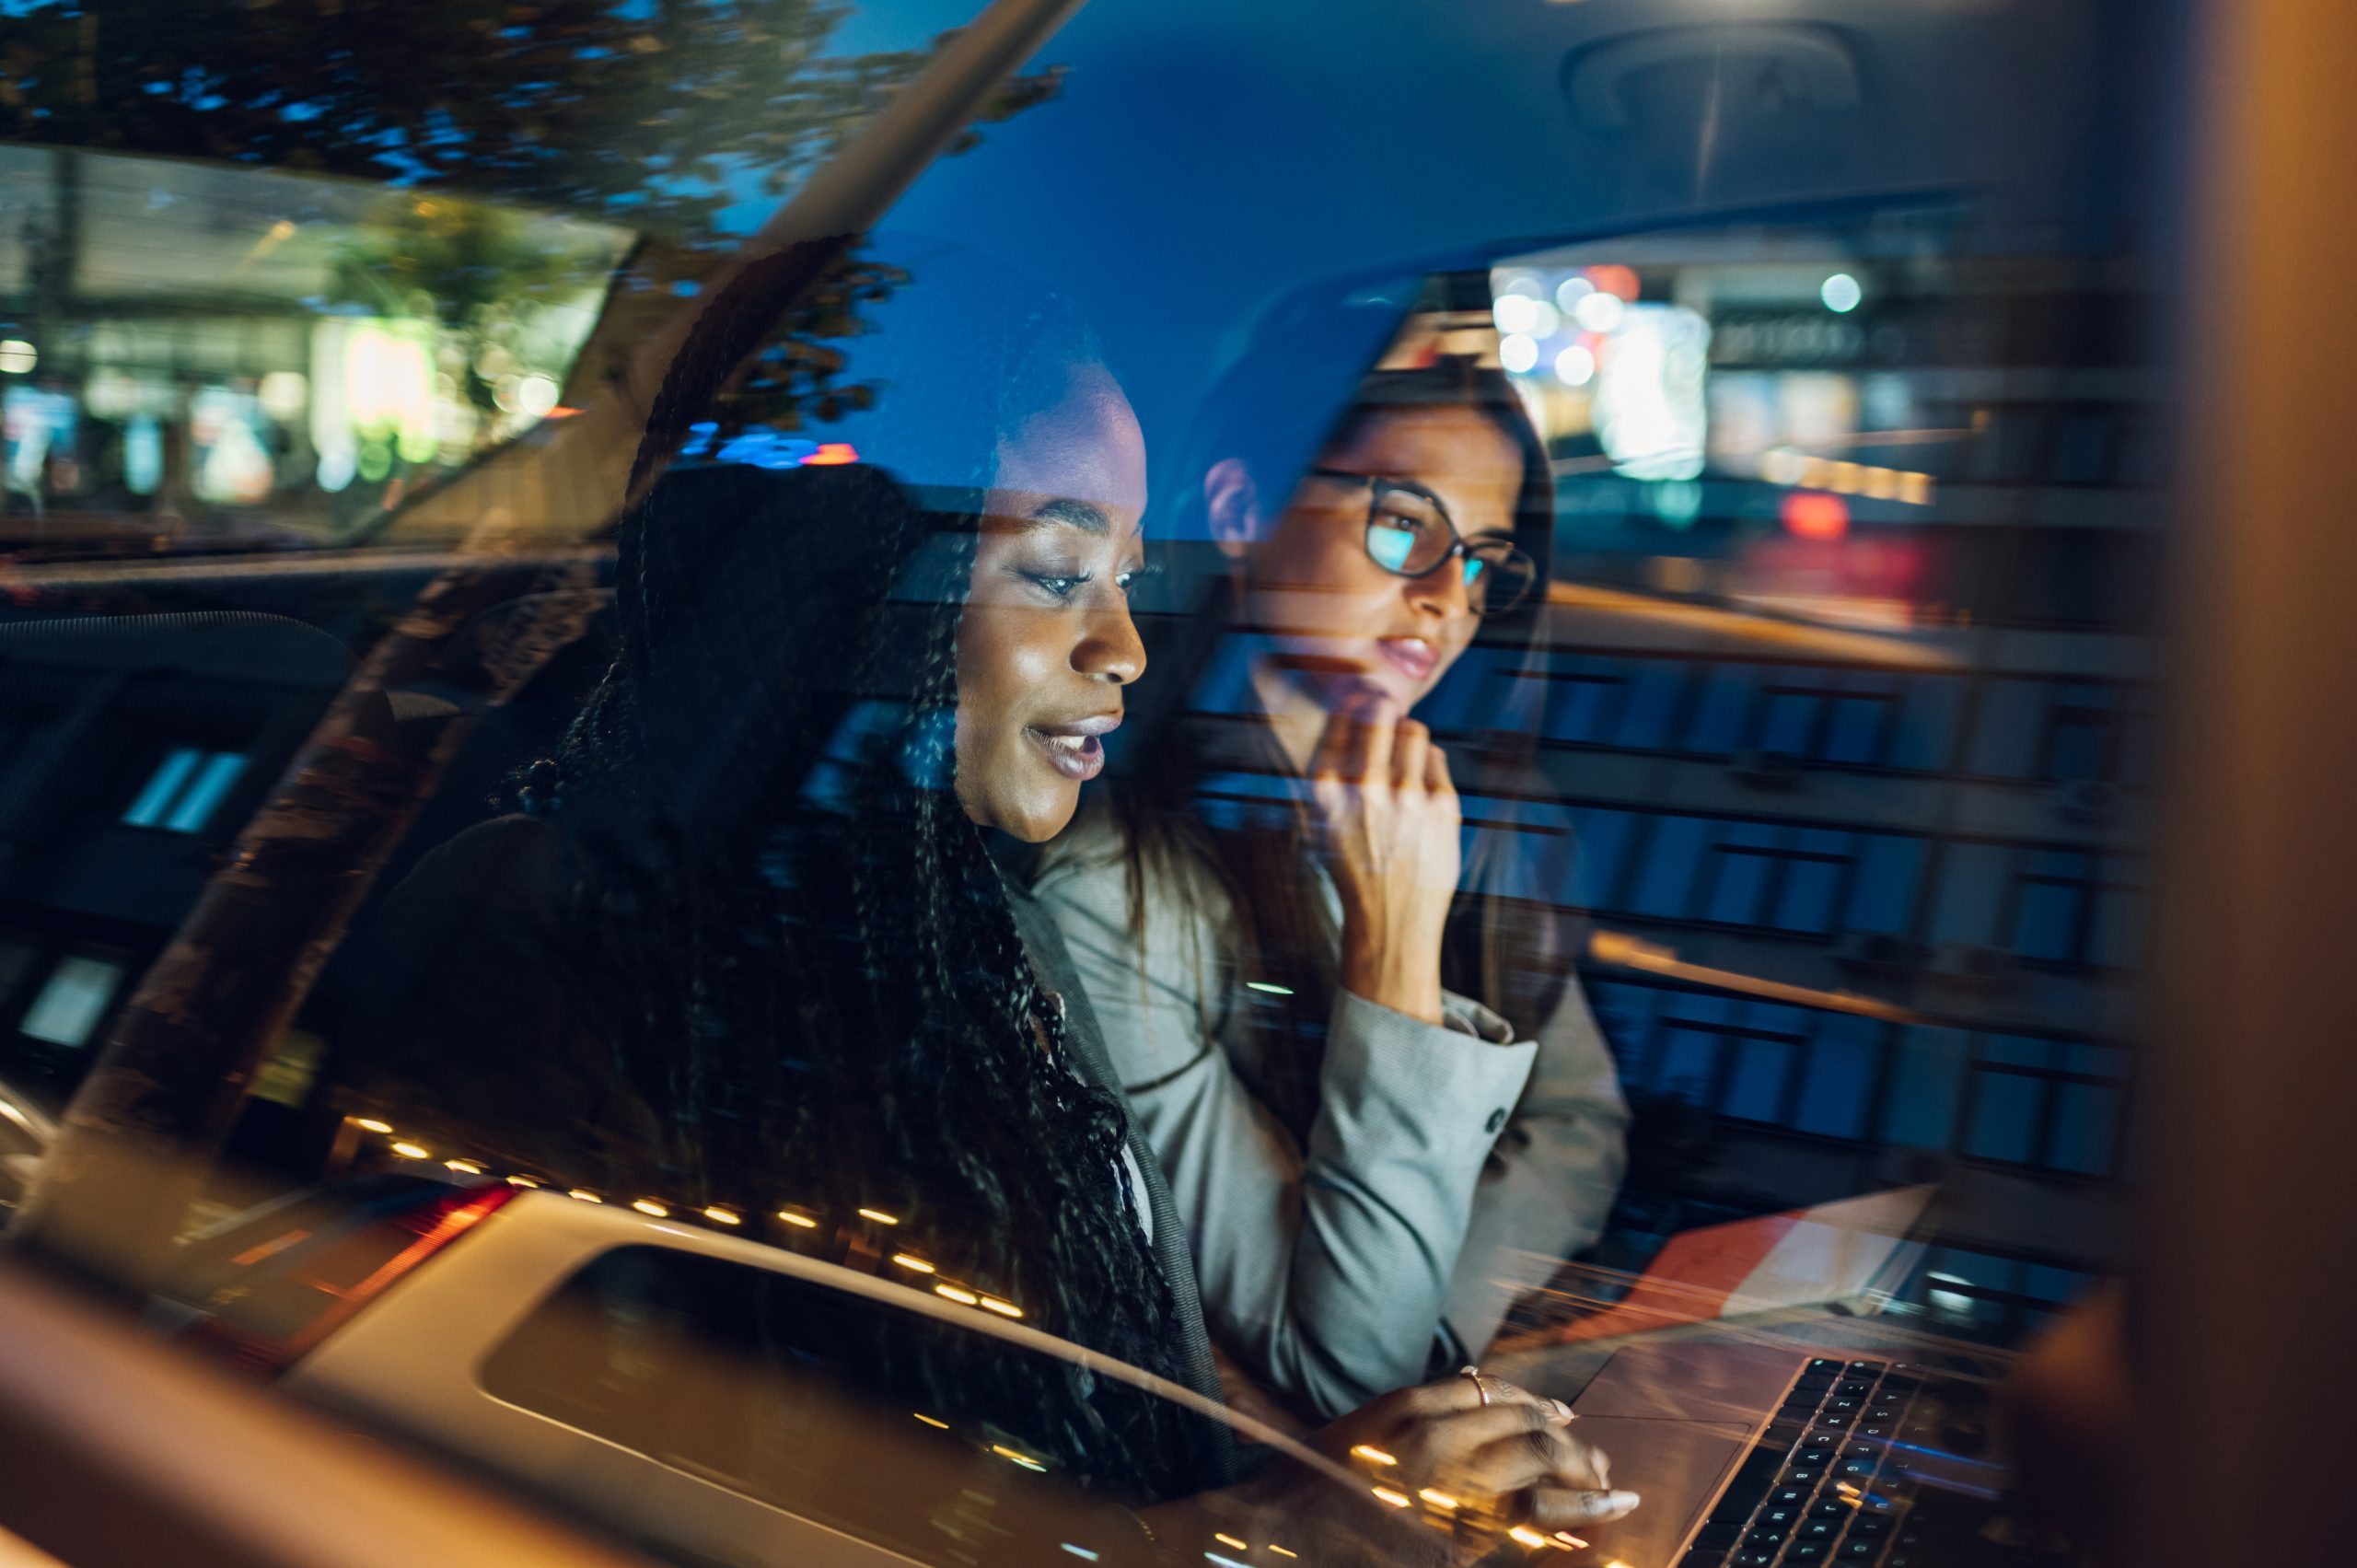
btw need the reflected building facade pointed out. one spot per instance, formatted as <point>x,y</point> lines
<point>1851,699</point>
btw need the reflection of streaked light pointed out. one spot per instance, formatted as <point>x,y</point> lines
<point>1282,1551</point>
<point>18,356</point>
<point>962,1297</point>
<point>912,1263</point>
<point>1568,1539</point>
<point>804,1221</point>
<point>651,1209</point>
<point>1271,988</point>
<point>465,1167</point>
<point>1438,1499</point>
<point>1841,294</point>
<point>1229,1541</point>
<point>1003,1308</point>
<point>1575,367</point>
<point>198,802</point>
<point>830,454</point>
<point>879,1217</point>
<point>1025,1460</point>
<point>1517,352</point>
<point>370,1124</point>
<point>1369,1451</point>
<point>412,1151</point>
<point>1527,1536</point>
<point>719,1216</point>
<point>1078,1551</point>
<point>930,1420</point>
<point>583,1194</point>
<point>528,1182</point>
<point>1397,1499</point>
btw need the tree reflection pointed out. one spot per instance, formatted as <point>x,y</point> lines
<point>659,114</point>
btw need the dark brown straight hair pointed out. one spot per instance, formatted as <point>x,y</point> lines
<point>1258,854</point>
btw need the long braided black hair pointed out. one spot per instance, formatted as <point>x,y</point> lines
<point>806,954</point>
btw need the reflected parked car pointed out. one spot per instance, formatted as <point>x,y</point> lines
<point>702,1394</point>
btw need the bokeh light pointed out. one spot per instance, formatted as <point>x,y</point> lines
<point>1812,514</point>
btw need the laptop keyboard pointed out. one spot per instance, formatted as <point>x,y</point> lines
<point>1821,1485</point>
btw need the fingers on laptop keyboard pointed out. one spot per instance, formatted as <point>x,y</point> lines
<point>1555,1508</point>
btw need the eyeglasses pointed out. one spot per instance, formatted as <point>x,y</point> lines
<point>1410,534</point>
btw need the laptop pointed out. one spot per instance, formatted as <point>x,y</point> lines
<point>1752,1454</point>
<point>1757,1456</point>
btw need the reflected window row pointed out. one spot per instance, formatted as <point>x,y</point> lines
<point>2051,1105</point>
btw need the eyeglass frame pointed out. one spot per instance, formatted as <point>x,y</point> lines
<point>1376,485</point>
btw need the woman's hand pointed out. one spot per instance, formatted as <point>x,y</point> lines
<point>1434,1456</point>
<point>1389,821</point>
<point>1509,1461</point>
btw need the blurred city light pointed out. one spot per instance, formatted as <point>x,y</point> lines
<point>1599,312</point>
<point>1841,294</point>
<point>1811,514</point>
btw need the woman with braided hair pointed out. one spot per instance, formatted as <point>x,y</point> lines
<point>749,939</point>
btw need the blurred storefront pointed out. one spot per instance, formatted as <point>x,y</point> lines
<point>194,352</point>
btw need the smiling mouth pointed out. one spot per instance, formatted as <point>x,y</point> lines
<point>1076,750</point>
<point>1413,656</point>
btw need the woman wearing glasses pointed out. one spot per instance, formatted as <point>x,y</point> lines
<point>1375,1089</point>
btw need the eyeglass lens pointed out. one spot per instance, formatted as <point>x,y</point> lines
<point>1408,534</point>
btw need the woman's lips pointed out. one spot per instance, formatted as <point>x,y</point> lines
<point>1413,656</point>
<point>1074,750</point>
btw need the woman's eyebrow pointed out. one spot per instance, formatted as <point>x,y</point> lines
<point>1076,514</point>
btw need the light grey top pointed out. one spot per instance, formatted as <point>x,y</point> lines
<point>1447,1167</point>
